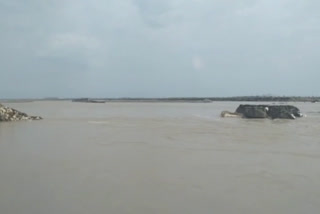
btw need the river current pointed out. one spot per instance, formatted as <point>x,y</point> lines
<point>156,158</point>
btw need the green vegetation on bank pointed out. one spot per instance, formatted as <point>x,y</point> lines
<point>181,99</point>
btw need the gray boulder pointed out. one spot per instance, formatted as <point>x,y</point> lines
<point>268,111</point>
<point>284,111</point>
<point>253,111</point>
<point>10,114</point>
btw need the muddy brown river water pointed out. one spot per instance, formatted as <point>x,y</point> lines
<point>158,158</point>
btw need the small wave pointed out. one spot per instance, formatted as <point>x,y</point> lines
<point>207,117</point>
<point>313,112</point>
<point>98,122</point>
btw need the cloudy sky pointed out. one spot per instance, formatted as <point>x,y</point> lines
<point>159,48</point>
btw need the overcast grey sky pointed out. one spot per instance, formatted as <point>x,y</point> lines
<point>159,48</point>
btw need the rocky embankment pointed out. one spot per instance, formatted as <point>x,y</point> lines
<point>265,111</point>
<point>10,114</point>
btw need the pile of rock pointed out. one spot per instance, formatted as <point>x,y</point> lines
<point>10,114</point>
<point>265,111</point>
